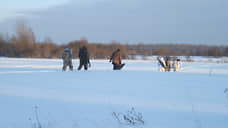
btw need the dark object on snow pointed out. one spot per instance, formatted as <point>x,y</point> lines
<point>130,117</point>
<point>67,59</point>
<point>118,66</point>
<point>168,63</point>
<point>84,58</point>
<point>116,60</point>
<point>161,62</point>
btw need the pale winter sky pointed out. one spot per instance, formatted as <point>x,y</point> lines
<point>126,21</point>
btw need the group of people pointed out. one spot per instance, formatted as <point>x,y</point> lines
<point>164,64</point>
<point>85,59</point>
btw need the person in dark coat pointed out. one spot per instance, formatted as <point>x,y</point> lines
<point>161,64</point>
<point>168,63</point>
<point>84,58</point>
<point>116,60</point>
<point>67,59</point>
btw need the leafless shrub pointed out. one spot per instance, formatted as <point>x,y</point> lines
<point>35,123</point>
<point>131,117</point>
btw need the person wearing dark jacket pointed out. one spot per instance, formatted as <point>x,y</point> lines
<point>116,60</point>
<point>168,63</point>
<point>84,58</point>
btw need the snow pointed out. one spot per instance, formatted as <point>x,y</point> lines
<point>191,98</point>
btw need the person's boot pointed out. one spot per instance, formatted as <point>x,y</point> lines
<point>64,68</point>
<point>85,66</point>
<point>118,66</point>
<point>71,68</point>
<point>79,67</point>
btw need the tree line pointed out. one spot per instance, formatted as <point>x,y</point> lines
<point>24,44</point>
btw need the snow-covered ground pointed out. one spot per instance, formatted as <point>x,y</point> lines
<point>37,88</point>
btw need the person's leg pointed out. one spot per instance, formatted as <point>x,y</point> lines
<point>80,66</point>
<point>169,67</point>
<point>85,66</point>
<point>71,65</point>
<point>163,69</point>
<point>64,65</point>
<point>122,65</point>
<point>64,68</point>
<point>117,67</point>
<point>114,66</point>
<point>178,67</point>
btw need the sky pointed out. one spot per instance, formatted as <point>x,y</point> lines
<point>11,8</point>
<point>124,21</point>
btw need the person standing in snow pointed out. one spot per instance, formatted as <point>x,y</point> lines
<point>176,65</point>
<point>67,59</point>
<point>168,64</point>
<point>84,58</point>
<point>116,59</point>
<point>161,64</point>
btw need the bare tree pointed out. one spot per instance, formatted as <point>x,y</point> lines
<point>25,40</point>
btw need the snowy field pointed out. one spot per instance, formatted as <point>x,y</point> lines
<point>35,93</point>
